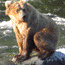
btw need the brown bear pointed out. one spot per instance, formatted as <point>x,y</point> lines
<point>33,30</point>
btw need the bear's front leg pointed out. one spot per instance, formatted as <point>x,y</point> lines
<point>27,48</point>
<point>19,38</point>
<point>20,43</point>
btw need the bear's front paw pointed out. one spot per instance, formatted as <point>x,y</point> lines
<point>19,58</point>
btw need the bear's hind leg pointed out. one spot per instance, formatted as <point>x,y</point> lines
<point>44,44</point>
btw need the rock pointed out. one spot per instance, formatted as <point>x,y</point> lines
<point>57,58</point>
<point>31,61</point>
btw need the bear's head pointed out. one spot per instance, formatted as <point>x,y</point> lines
<point>17,10</point>
<point>21,11</point>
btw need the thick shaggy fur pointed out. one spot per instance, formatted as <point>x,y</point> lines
<point>32,30</point>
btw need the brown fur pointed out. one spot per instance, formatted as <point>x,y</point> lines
<point>33,31</point>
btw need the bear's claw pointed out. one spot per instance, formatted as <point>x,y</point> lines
<point>19,58</point>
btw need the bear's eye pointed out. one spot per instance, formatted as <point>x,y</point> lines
<point>17,4</point>
<point>18,7</point>
<point>17,10</point>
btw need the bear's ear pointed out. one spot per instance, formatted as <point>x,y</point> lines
<point>7,4</point>
<point>27,7</point>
